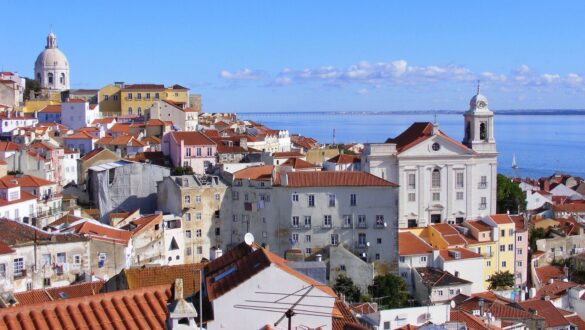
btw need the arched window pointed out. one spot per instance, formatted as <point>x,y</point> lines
<point>129,110</point>
<point>436,178</point>
<point>62,79</point>
<point>139,111</point>
<point>482,131</point>
<point>467,130</point>
<point>50,78</point>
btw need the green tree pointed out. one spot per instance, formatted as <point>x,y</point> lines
<point>501,281</point>
<point>509,196</point>
<point>344,285</point>
<point>186,170</point>
<point>30,85</point>
<point>533,236</point>
<point>389,291</point>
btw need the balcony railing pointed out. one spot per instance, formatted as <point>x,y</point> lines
<point>346,225</point>
<point>482,185</point>
<point>380,225</point>
<point>326,225</point>
<point>482,206</point>
<point>19,274</point>
<point>362,225</point>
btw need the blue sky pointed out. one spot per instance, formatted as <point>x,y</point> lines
<point>247,56</point>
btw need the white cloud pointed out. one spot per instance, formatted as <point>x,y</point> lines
<point>244,74</point>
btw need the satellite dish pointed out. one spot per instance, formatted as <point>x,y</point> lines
<point>249,239</point>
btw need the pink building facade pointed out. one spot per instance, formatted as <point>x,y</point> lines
<point>192,149</point>
<point>521,238</point>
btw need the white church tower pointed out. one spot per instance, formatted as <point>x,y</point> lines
<point>52,67</point>
<point>479,125</point>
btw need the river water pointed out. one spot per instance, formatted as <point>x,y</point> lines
<point>543,144</point>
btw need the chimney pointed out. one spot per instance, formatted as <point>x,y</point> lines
<point>178,290</point>
<point>319,257</point>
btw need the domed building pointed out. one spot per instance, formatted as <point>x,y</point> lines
<point>52,67</point>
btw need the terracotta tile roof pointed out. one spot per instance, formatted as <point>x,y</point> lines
<point>122,140</point>
<point>434,277</point>
<point>141,277</point>
<point>472,322</point>
<point>151,140</point>
<point>120,128</point>
<point>363,308</point>
<point>103,121</point>
<point>416,133</point>
<point>410,244</point>
<point>287,154</point>
<point>59,293</point>
<point>299,164</point>
<point>138,225</point>
<point>192,138</point>
<point>130,309</point>
<point>304,142</point>
<point>9,146</point>
<point>155,122</point>
<point>24,196</point>
<point>576,320</point>
<point>345,320</point>
<point>16,233</point>
<point>80,135</point>
<point>344,159</point>
<point>5,249</point>
<point>479,225</point>
<point>519,221</point>
<point>554,290</point>
<point>501,219</point>
<point>24,181</point>
<point>552,316</point>
<point>96,230</point>
<point>573,207</point>
<point>335,179</point>
<point>491,296</point>
<point>463,253</point>
<point>263,172</point>
<point>52,108</point>
<point>547,273</point>
<point>66,219</point>
<point>75,101</point>
<point>241,263</point>
<point>92,154</point>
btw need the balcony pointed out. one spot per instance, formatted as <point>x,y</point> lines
<point>482,206</point>
<point>482,185</point>
<point>362,225</point>
<point>380,225</point>
<point>361,245</point>
<point>327,225</point>
<point>307,226</point>
<point>295,226</point>
<point>19,274</point>
<point>346,226</point>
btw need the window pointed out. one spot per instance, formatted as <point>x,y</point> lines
<point>378,240</point>
<point>436,196</point>
<point>311,200</point>
<point>483,203</point>
<point>187,152</point>
<point>2,271</point>
<point>451,291</point>
<point>402,259</point>
<point>518,251</point>
<point>483,182</point>
<point>198,199</point>
<point>139,111</point>
<point>519,238</point>
<point>459,180</point>
<point>235,195</point>
<point>187,199</point>
<point>115,97</point>
<point>198,233</point>
<point>307,221</point>
<point>188,251</point>
<point>459,195</point>
<point>50,76</point>
<point>308,250</point>
<point>503,264</point>
<point>199,249</point>
<point>362,221</point>
<point>198,150</point>
<point>436,178</point>
<point>209,152</point>
<point>510,247</point>
<point>307,238</point>
<point>129,110</point>
<point>234,218</point>
<point>106,97</point>
<point>327,221</point>
<point>295,197</point>
<point>18,267</point>
<point>423,259</point>
<point>502,248</point>
<point>411,197</point>
<point>156,96</point>
<point>46,281</point>
<point>511,232</point>
<point>412,181</point>
<point>387,325</point>
<point>295,222</point>
<point>362,240</point>
<point>488,263</point>
<point>294,238</point>
<point>216,196</point>
<point>347,221</point>
<point>379,221</point>
<point>139,96</point>
<point>334,239</point>
<point>440,292</point>
<point>502,233</point>
<point>61,258</point>
<point>353,200</point>
<point>331,200</point>
<point>188,233</point>
<point>129,96</point>
<point>77,259</point>
<point>519,263</point>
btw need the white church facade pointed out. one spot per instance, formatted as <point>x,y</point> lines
<point>441,180</point>
<point>52,67</point>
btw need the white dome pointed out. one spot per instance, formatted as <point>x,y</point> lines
<point>52,58</point>
<point>476,99</point>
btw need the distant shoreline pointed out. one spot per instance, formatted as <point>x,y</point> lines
<point>576,112</point>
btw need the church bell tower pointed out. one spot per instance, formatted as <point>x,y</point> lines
<point>479,125</point>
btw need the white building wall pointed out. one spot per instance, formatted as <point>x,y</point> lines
<point>18,211</point>
<point>274,280</point>
<point>417,316</point>
<point>69,168</point>
<point>467,269</point>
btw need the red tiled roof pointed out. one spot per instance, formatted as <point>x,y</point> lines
<point>16,233</point>
<point>92,153</point>
<point>120,128</point>
<point>554,290</point>
<point>138,225</point>
<point>59,293</point>
<point>24,181</point>
<point>552,316</point>
<point>75,101</point>
<point>416,133</point>
<point>122,140</point>
<point>576,320</point>
<point>192,138</point>
<point>9,146</point>
<point>141,277</point>
<point>80,135</point>
<point>479,225</point>
<point>299,164</point>
<point>101,231</point>
<point>103,121</point>
<point>410,244</point>
<point>287,154</point>
<point>335,179</point>
<point>501,219</point>
<point>143,308</point>
<point>547,273</point>
<point>52,108</point>
<point>464,253</point>
<point>263,172</point>
<point>344,159</point>
<point>343,319</point>
<point>5,249</point>
<point>144,86</point>
<point>472,322</point>
<point>573,207</point>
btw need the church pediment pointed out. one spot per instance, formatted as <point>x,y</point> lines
<point>437,146</point>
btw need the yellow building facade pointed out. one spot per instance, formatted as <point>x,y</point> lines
<point>109,99</point>
<point>136,99</point>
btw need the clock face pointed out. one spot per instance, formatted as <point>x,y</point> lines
<point>436,146</point>
<point>481,104</point>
